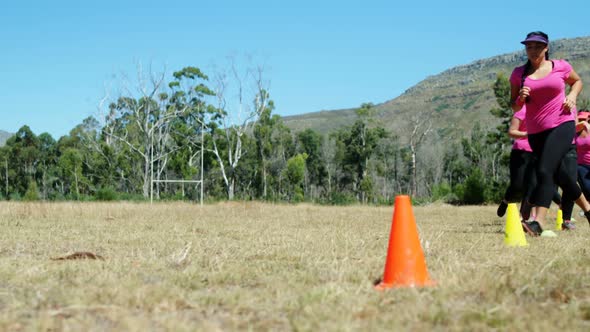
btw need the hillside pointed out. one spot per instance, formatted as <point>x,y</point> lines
<point>454,99</point>
<point>4,135</point>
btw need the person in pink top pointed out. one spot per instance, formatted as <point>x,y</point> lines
<point>583,148</point>
<point>550,120</point>
<point>522,170</point>
<point>582,165</point>
<point>521,166</point>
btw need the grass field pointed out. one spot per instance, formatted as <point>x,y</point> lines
<point>254,266</point>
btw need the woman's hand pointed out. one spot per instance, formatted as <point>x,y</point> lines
<point>523,94</point>
<point>584,132</point>
<point>569,103</point>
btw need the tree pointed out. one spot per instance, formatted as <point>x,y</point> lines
<point>190,94</point>
<point>5,154</point>
<point>387,158</point>
<point>263,134</point>
<point>419,126</point>
<point>295,173</point>
<point>238,108</point>
<point>47,163</point>
<point>24,159</point>
<point>143,123</point>
<point>354,146</point>
<point>71,162</point>
<point>499,138</point>
<point>311,143</point>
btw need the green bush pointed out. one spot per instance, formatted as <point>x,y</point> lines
<point>421,201</point>
<point>441,191</point>
<point>495,191</point>
<point>342,198</point>
<point>474,188</point>
<point>106,194</point>
<point>132,197</point>
<point>441,107</point>
<point>15,197</point>
<point>298,196</point>
<point>56,196</point>
<point>32,193</point>
<point>366,187</point>
<point>172,196</point>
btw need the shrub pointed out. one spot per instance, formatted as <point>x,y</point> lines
<point>298,196</point>
<point>495,191</point>
<point>32,193</point>
<point>15,196</point>
<point>106,194</point>
<point>342,198</point>
<point>132,197</point>
<point>474,188</point>
<point>441,191</point>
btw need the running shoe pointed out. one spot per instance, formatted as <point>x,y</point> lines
<point>532,228</point>
<point>567,225</point>
<point>502,209</point>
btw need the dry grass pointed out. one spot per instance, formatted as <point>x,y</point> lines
<point>252,266</point>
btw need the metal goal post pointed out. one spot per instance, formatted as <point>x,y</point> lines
<point>197,184</point>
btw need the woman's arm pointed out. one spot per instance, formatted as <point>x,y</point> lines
<point>575,82</point>
<point>518,96</point>
<point>513,130</point>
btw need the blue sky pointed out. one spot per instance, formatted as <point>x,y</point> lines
<point>57,57</point>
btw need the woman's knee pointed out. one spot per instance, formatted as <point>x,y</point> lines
<point>544,175</point>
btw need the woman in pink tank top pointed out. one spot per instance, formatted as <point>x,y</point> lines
<point>521,167</point>
<point>550,120</point>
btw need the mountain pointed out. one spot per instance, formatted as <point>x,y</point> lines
<point>454,99</point>
<point>4,135</point>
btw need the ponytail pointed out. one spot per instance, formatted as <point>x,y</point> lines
<point>527,67</point>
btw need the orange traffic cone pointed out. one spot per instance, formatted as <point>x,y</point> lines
<point>405,265</point>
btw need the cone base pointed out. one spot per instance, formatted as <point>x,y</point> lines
<point>383,286</point>
<point>516,242</point>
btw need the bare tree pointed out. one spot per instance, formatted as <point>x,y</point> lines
<point>431,158</point>
<point>141,120</point>
<point>419,126</point>
<point>241,95</point>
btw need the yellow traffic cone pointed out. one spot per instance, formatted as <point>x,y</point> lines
<point>513,234</point>
<point>559,220</point>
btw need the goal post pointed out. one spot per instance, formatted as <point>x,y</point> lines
<point>198,183</point>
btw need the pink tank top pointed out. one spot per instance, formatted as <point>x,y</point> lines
<point>583,149</point>
<point>545,104</point>
<point>523,142</point>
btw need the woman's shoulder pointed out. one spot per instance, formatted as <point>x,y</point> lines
<point>561,64</point>
<point>520,115</point>
<point>516,75</point>
<point>518,70</point>
<point>560,61</point>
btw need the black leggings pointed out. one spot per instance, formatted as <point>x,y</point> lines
<point>550,147</point>
<point>523,180</point>
<point>522,172</point>
<point>569,165</point>
<point>584,179</point>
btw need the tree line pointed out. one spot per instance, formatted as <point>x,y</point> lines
<point>227,127</point>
